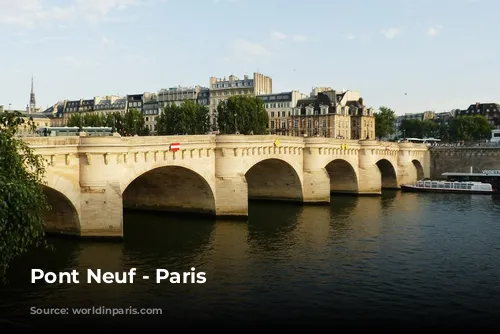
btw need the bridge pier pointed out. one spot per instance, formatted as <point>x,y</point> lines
<point>101,212</point>
<point>369,180</point>
<point>316,186</point>
<point>231,196</point>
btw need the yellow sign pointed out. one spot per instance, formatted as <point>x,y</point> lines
<point>344,146</point>
<point>277,142</point>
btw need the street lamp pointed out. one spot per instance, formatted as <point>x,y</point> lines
<point>235,124</point>
<point>80,124</point>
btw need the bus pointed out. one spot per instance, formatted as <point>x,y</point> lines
<point>495,136</point>
<point>429,141</point>
<point>73,131</point>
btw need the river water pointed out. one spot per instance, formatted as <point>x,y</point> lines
<point>396,260</point>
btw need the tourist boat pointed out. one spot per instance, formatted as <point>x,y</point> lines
<point>464,187</point>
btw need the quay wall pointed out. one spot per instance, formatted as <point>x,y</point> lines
<point>461,160</point>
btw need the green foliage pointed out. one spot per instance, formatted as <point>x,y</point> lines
<point>468,127</point>
<point>130,124</point>
<point>415,128</point>
<point>189,118</point>
<point>384,122</point>
<point>22,201</point>
<point>243,114</point>
<point>134,124</point>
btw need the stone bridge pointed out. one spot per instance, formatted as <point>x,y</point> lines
<point>90,180</point>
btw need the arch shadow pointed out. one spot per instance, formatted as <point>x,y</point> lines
<point>271,224</point>
<point>419,168</point>
<point>170,189</point>
<point>343,177</point>
<point>273,179</point>
<point>154,237</point>
<point>388,174</point>
<point>62,217</point>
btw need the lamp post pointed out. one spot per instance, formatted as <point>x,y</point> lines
<point>80,124</point>
<point>235,124</point>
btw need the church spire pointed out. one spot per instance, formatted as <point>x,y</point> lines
<point>32,105</point>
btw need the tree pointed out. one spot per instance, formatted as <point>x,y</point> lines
<point>131,124</point>
<point>89,119</point>
<point>384,122</point>
<point>134,124</point>
<point>243,114</point>
<point>469,127</point>
<point>22,201</point>
<point>416,128</point>
<point>189,118</point>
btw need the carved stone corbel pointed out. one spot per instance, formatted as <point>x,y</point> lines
<point>68,158</point>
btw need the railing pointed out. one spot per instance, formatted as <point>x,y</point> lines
<point>467,145</point>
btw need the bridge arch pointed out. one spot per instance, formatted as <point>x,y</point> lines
<point>419,169</point>
<point>343,177</point>
<point>62,197</point>
<point>169,188</point>
<point>388,174</point>
<point>274,179</point>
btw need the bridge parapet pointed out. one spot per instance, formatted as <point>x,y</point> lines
<point>51,141</point>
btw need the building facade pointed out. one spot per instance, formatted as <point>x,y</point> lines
<point>332,114</point>
<point>279,107</point>
<point>177,95</point>
<point>223,88</point>
<point>150,111</point>
<point>134,101</point>
<point>110,104</point>
<point>489,110</point>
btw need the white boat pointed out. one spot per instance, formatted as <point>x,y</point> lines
<point>468,187</point>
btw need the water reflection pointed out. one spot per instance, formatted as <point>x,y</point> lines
<point>359,258</point>
<point>155,237</point>
<point>269,229</point>
<point>388,197</point>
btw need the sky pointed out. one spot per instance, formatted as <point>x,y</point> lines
<point>408,55</point>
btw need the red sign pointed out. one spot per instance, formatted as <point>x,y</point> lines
<point>174,147</point>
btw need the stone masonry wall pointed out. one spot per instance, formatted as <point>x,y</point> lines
<point>460,160</point>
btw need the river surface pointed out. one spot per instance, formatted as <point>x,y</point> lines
<point>402,260</point>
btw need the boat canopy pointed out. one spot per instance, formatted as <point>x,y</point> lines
<point>471,174</point>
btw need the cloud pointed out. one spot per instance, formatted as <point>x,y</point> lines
<point>351,36</point>
<point>29,13</point>
<point>216,2</point>
<point>50,38</point>
<point>106,41</point>
<point>277,35</point>
<point>434,31</point>
<point>391,33</point>
<point>69,60</point>
<point>247,48</point>
<point>299,38</point>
